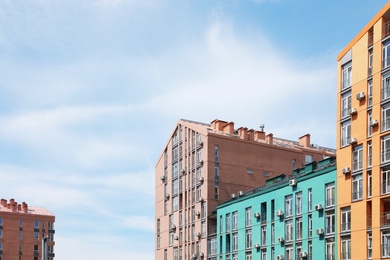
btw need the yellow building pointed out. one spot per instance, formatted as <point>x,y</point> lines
<point>363,144</point>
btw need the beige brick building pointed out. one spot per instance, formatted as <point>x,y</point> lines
<point>203,165</point>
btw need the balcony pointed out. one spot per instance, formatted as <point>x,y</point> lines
<point>385,219</point>
<point>212,230</point>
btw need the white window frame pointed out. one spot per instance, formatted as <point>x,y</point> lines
<point>385,182</point>
<point>357,187</point>
<point>330,223</point>
<point>235,220</point>
<point>347,76</point>
<point>345,219</point>
<point>357,158</point>
<point>289,205</point>
<point>346,249</point>
<point>386,86</point>
<point>385,152</point>
<point>345,133</point>
<point>298,205</point>
<point>346,100</point>
<point>385,117</point>
<point>248,217</point>
<point>330,194</point>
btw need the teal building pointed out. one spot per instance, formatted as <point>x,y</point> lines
<point>290,217</point>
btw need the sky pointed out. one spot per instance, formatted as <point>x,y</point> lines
<point>90,91</point>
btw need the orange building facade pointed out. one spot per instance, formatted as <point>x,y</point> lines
<point>202,166</point>
<point>363,142</point>
<point>22,230</point>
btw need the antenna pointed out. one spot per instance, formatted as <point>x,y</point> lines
<point>262,127</point>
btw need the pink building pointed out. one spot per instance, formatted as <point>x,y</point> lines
<point>22,229</point>
<point>203,165</point>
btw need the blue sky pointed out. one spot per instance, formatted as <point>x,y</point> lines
<point>91,89</point>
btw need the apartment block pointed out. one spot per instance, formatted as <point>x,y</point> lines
<point>200,167</point>
<point>363,145</point>
<point>291,217</point>
<point>22,231</point>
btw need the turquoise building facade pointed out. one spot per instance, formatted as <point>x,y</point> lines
<point>291,217</point>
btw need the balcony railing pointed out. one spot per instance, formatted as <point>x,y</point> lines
<point>386,156</point>
<point>385,187</point>
<point>385,219</point>
<point>212,230</point>
<point>385,250</point>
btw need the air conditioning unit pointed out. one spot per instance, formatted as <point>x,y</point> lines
<point>240,193</point>
<point>303,254</point>
<point>198,234</point>
<point>320,231</point>
<point>256,246</point>
<point>279,257</point>
<point>360,96</point>
<point>194,255</point>
<point>256,215</point>
<point>281,239</point>
<point>388,216</point>
<point>167,196</point>
<point>353,111</point>
<point>373,122</point>
<point>353,141</point>
<point>197,213</point>
<point>232,196</point>
<point>292,182</point>
<point>201,179</point>
<point>176,237</point>
<point>183,171</point>
<point>201,199</point>
<point>346,170</point>
<point>201,254</point>
<point>318,207</point>
<point>172,227</point>
<point>200,143</point>
<point>201,162</point>
<point>162,177</point>
<point>279,213</point>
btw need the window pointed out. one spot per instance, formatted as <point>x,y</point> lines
<point>248,238</point>
<point>235,220</point>
<point>289,230</point>
<point>345,133</point>
<point>385,244</point>
<point>330,195</point>
<point>264,254</point>
<point>20,235</point>
<point>386,54</point>
<point>330,223</point>
<point>369,184</point>
<point>36,234</point>
<point>346,104</point>
<point>175,170</point>
<point>370,61</point>
<point>369,154</point>
<point>203,228</point>
<point>386,87</point>
<point>203,209</point>
<point>235,242</point>
<point>220,224</point>
<point>369,246</point>
<point>346,249</point>
<point>308,158</point>
<point>386,117</point>
<point>298,206</point>
<point>264,235</point>
<point>347,75</point>
<point>386,149</point>
<point>165,254</point>
<point>288,206</point>
<point>369,128</point>
<point>212,246</point>
<point>289,252</point>
<point>386,182</point>
<point>228,222</point>
<point>310,220</point>
<point>175,254</point>
<point>357,187</point>
<point>248,256</point>
<point>175,187</point>
<point>158,241</point>
<point>298,229</point>
<point>369,93</point>
<point>248,217</point>
<point>345,219</point>
<point>310,199</point>
<point>330,250</point>
<point>357,157</point>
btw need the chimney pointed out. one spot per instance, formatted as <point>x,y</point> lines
<point>304,140</point>
<point>251,135</point>
<point>242,132</point>
<point>24,207</point>
<point>229,128</point>
<point>259,135</point>
<point>270,138</point>
<point>218,124</point>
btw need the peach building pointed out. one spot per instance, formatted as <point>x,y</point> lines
<point>363,145</point>
<point>203,165</point>
<point>22,229</point>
